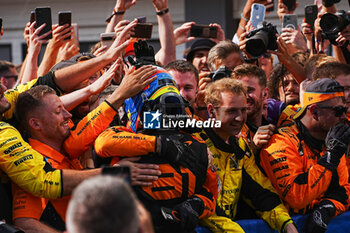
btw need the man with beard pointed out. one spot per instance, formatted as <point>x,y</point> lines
<point>186,78</point>
<point>198,54</point>
<point>305,161</point>
<point>257,129</point>
<point>235,163</point>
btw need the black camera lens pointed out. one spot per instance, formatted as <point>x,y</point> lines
<point>329,23</point>
<point>257,44</point>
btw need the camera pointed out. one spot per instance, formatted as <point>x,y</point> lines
<point>328,3</point>
<point>222,72</point>
<point>334,23</point>
<point>261,39</point>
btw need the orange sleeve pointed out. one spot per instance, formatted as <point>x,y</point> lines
<point>118,141</point>
<point>26,205</point>
<point>284,166</point>
<point>209,194</point>
<point>85,133</point>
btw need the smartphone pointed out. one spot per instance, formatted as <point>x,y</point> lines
<point>65,17</point>
<point>203,31</point>
<point>141,19</point>
<point>290,4</point>
<point>257,14</point>
<point>170,215</point>
<point>107,39</point>
<point>0,24</point>
<point>122,171</point>
<point>143,30</point>
<point>270,6</point>
<point>311,12</point>
<point>290,21</point>
<point>32,17</point>
<point>43,15</point>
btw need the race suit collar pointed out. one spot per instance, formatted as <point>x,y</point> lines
<point>304,134</point>
<point>232,147</point>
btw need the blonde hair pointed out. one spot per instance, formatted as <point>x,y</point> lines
<point>213,90</point>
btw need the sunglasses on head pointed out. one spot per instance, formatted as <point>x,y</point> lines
<point>338,110</point>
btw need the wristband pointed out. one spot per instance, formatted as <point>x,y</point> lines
<point>244,17</point>
<point>114,13</point>
<point>163,12</point>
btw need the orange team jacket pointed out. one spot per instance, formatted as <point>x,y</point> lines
<point>176,183</point>
<point>292,166</point>
<point>51,211</point>
<point>348,154</point>
<point>83,135</point>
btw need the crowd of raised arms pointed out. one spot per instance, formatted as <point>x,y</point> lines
<point>123,139</point>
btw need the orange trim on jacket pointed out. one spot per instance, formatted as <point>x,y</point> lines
<point>295,173</point>
<point>26,205</point>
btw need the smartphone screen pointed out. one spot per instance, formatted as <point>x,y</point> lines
<point>43,15</point>
<point>203,31</point>
<point>65,17</point>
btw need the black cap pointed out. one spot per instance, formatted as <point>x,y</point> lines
<point>324,85</point>
<point>199,44</point>
<point>318,91</point>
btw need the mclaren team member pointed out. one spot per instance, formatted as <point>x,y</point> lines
<point>18,160</point>
<point>42,114</point>
<point>186,184</point>
<point>235,164</point>
<point>305,161</point>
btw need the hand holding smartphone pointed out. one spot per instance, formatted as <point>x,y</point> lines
<point>43,16</point>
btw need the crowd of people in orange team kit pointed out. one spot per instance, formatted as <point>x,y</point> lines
<point>123,139</point>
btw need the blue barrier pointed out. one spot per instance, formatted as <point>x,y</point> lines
<point>338,224</point>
